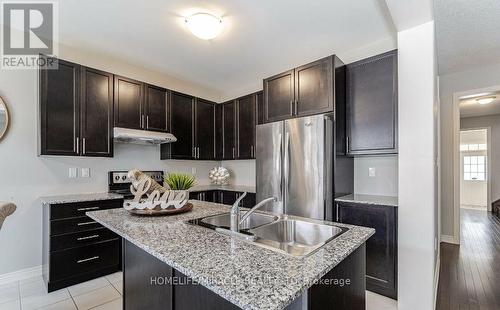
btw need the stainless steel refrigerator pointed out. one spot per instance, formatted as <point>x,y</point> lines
<point>296,162</point>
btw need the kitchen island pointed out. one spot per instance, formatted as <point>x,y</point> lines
<point>171,264</point>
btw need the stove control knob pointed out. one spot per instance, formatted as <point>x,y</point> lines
<point>117,178</point>
<point>124,178</point>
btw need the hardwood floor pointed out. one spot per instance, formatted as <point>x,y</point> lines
<point>469,275</point>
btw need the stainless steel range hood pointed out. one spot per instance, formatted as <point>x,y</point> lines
<point>125,135</point>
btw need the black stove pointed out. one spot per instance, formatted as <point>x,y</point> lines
<point>119,183</point>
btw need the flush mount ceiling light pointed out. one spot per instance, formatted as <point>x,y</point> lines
<point>486,100</point>
<point>205,26</point>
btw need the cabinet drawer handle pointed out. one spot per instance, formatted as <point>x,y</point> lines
<point>87,238</point>
<point>87,209</point>
<point>86,223</point>
<point>87,259</point>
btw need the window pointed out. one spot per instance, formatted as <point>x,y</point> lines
<point>475,168</point>
<point>473,147</point>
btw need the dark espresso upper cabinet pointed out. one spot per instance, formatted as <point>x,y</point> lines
<point>372,100</point>
<point>155,108</point>
<point>129,98</point>
<point>279,101</point>
<point>182,126</point>
<point>219,133</point>
<point>229,129</point>
<point>97,113</point>
<point>192,122</point>
<point>306,90</point>
<point>139,105</point>
<point>260,107</point>
<point>60,109</point>
<point>246,120</point>
<point>314,87</point>
<point>76,105</point>
<point>205,130</point>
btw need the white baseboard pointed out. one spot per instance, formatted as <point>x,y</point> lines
<point>448,239</point>
<point>21,274</point>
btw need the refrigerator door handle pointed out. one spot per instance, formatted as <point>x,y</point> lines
<point>279,166</point>
<point>286,165</point>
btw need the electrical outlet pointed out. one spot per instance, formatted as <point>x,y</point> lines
<point>72,173</point>
<point>85,173</point>
<point>193,171</point>
<point>372,172</point>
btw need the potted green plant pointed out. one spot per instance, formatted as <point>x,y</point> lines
<point>179,181</point>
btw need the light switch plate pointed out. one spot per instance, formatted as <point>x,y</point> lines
<point>372,172</point>
<point>85,173</point>
<point>193,171</point>
<point>72,173</point>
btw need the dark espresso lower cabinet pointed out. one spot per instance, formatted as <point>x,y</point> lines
<point>224,197</point>
<point>149,283</point>
<point>75,247</point>
<point>381,248</point>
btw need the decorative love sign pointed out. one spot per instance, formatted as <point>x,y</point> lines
<point>168,200</point>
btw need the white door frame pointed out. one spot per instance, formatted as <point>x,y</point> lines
<point>456,157</point>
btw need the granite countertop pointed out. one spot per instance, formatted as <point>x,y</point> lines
<point>78,198</point>
<point>370,199</point>
<point>246,275</point>
<point>229,187</point>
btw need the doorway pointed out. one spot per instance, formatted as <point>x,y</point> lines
<point>474,169</point>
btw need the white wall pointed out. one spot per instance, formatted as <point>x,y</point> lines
<point>26,176</point>
<point>417,211</point>
<point>242,171</point>
<point>385,181</point>
<point>477,78</point>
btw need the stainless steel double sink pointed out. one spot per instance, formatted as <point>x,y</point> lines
<point>296,237</point>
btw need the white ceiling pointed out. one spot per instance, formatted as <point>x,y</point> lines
<point>467,34</point>
<point>261,38</point>
<point>469,107</point>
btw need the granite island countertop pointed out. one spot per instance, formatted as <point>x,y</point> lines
<point>370,199</point>
<point>246,275</point>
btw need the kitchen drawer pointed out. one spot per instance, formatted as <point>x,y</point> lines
<point>73,225</point>
<point>68,210</point>
<point>67,241</point>
<point>73,262</point>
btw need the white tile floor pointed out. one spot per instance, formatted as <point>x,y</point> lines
<point>99,294</point>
